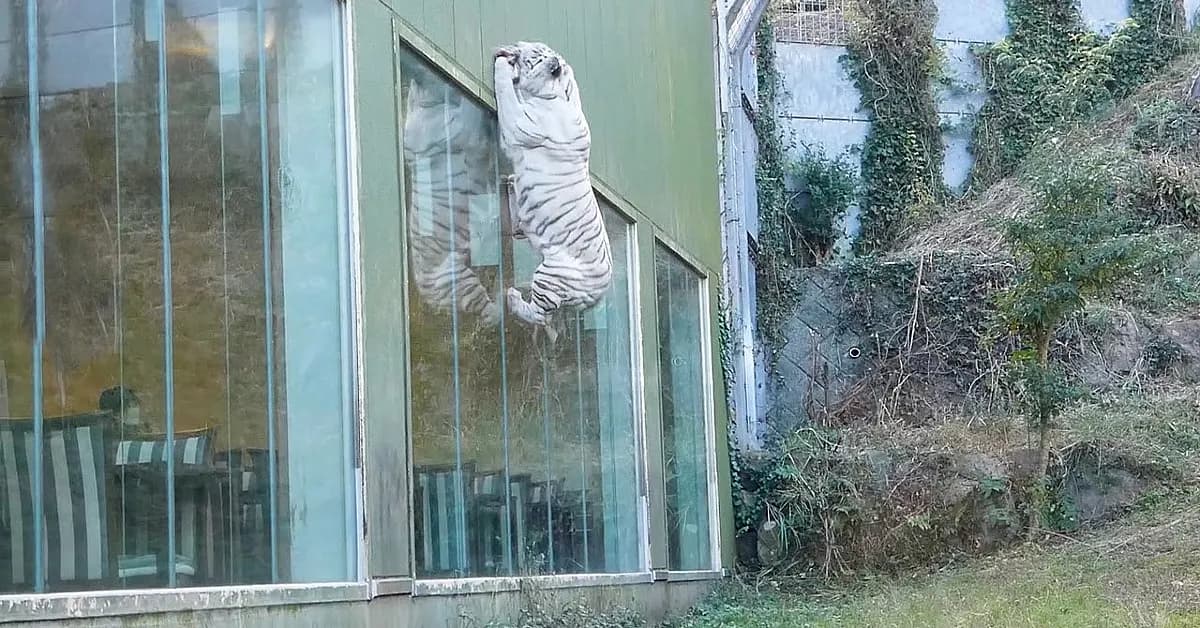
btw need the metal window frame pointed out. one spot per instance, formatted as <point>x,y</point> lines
<point>706,288</point>
<point>461,79</point>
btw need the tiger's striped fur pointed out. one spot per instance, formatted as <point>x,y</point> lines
<point>544,133</point>
<point>449,151</point>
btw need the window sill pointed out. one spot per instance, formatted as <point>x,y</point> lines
<point>79,605</point>
<point>688,576</point>
<point>469,586</point>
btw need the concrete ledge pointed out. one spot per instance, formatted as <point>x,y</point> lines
<point>84,604</point>
<point>469,586</point>
<point>694,576</point>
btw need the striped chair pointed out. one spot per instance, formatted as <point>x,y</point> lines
<point>441,550</point>
<point>194,448</point>
<point>544,527</point>
<point>141,465</point>
<point>75,490</point>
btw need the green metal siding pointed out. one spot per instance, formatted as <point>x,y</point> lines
<point>645,69</point>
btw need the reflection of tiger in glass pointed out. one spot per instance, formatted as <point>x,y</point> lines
<point>449,150</point>
<point>544,132</point>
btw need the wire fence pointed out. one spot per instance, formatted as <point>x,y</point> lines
<point>812,21</point>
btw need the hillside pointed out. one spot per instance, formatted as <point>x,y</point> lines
<point>916,453</point>
<point>1148,146</point>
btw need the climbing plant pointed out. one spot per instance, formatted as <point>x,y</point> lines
<point>894,59</point>
<point>1050,71</point>
<point>778,287</point>
<point>827,186</point>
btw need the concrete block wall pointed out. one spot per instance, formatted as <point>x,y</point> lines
<point>1103,16</point>
<point>819,109</point>
<point>957,32</point>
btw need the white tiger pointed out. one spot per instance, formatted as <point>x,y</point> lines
<point>544,133</point>
<point>449,150</point>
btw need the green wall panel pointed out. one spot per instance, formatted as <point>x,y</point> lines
<point>383,300</point>
<point>645,68</point>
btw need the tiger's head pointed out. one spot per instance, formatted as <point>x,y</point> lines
<point>540,72</point>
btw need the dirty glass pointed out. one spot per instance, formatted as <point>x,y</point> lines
<point>525,450</point>
<point>684,415</point>
<point>173,344</point>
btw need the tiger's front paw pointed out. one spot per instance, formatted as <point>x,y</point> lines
<point>515,300</point>
<point>506,71</point>
<point>507,52</point>
<point>490,316</point>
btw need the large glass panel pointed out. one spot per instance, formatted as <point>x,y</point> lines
<point>684,415</point>
<point>174,359</point>
<point>525,450</point>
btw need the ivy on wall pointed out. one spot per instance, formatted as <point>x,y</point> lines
<point>827,186</point>
<point>893,59</point>
<point>779,288</point>
<point>1051,71</point>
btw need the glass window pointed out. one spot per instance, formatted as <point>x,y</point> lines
<point>684,411</point>
<point>173,344</point>
<point>525,450</point>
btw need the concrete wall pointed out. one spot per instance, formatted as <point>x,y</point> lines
<point>820,108</point>
<point>740,207</point>
<point>652,601</point>
<point>821,105</point>
<point>957,31</point>
<point>737,90</point>
<point>1103,16</point>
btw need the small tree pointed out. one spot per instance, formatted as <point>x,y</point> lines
<point>1075,245</point>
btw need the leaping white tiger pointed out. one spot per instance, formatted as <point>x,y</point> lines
<point>544,133</point>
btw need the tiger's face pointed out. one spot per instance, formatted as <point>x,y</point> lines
<point>541,72</point>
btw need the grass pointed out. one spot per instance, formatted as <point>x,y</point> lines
<point>1145,572</point>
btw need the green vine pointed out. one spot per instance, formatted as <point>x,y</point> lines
<point>893,58</point>
<point>779,288</point>
<point>1050,71</point>
<point>828,186</point>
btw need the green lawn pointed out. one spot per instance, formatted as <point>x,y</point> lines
<point>1145,572</point>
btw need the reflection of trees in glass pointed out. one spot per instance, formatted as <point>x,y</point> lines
<point>104,275</point>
